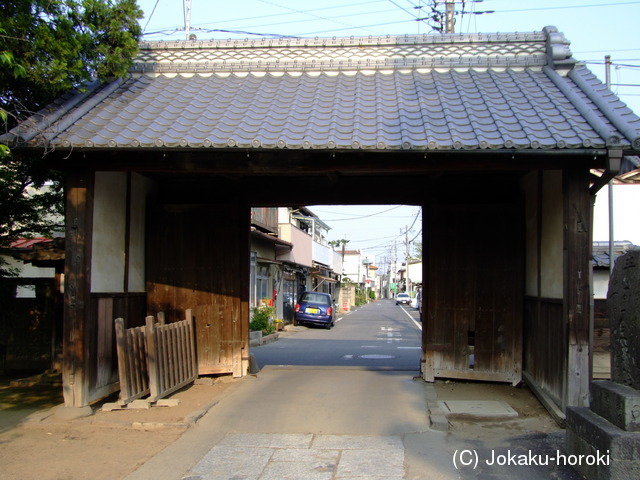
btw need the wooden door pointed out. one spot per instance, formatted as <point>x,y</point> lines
<point>197,258</point>
<point>474,296</point>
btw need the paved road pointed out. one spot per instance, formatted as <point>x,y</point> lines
<point>340,404</point>
<point>378,335</point>
<point>348,408</point>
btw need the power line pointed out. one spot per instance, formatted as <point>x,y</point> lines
<point>568,7</point>
<point>364,216</point>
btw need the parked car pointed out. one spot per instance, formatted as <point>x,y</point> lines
<point>315,308</point>
<point>403,299</point>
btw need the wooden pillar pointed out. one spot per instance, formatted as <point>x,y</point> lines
<point>79,222</point>
<point>577,265</point>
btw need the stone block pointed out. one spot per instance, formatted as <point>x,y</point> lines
<point>609,453</point>
<point>619,404</point>
<point>139,405</point>
<point>623,305</point>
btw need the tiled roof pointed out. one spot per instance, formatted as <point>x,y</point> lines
<point>520,91</point>
<point>600,255</point>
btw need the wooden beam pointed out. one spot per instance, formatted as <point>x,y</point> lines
<point>79,222</point>
<point>577,265</point>
<point>295,162</point>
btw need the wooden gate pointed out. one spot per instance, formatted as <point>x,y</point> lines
<point>133,370</point>
<point>156,359</point>
<point>171,350</point>
<point>474,293</point>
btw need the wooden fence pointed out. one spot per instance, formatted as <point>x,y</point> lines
<point>156,359</point>
<point>132,362</point>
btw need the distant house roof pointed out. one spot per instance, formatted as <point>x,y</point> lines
<point>601,258</point>
<point>39,251</point>
<point>425,92</point>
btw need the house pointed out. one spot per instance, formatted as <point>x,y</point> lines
<point>310,264</point>
<point>31,305</point>
<point>495,136</point>
<point>266,272</point>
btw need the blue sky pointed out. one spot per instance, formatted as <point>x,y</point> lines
<point>594,27</point>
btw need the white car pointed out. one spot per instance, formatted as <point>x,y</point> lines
<point>403,298</point>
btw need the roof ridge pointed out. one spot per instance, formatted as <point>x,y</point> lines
<point>427,39</point>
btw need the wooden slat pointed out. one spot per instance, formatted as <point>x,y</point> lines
<point>175,363</point>
<point>132,362</point>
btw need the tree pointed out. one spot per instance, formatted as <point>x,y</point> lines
<point>61,44</point>
<point>48,47</point>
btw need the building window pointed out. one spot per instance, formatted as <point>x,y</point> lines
<point>262,283</point>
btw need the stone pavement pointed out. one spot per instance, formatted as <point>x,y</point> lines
<point>303,456</point>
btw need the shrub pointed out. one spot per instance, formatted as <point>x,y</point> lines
<point>261,319</point>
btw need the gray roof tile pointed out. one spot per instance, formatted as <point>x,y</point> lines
<point>412,92</point>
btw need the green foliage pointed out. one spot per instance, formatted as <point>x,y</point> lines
<point>30,199</point>
<point>54,45</point>
<point>46,48</point>
<point>372,294</point>
<point>261,319</point>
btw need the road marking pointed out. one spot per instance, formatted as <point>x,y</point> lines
<point>410,348</point>
<point>412,319</point>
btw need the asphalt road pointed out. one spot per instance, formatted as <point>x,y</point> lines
<point>377,335</point>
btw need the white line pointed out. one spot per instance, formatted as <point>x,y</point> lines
<point>412,319</point>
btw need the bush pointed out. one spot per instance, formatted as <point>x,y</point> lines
<point>261,319</point>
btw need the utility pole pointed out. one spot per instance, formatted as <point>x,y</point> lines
<point>406,245</point>
<point>187,19</point>
<point>607,73</point>
<point>449,16</point>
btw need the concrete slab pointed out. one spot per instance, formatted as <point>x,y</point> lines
<point>477,408</point>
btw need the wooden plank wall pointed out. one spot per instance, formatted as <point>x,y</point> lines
<point>474,289</point>
<point>197,258</point>
<point>545,349</point>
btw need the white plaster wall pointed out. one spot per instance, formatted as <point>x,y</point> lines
<point>107,259</point>
<point>552,236</point>
<point>141,188</point>
<point>600,283</point>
